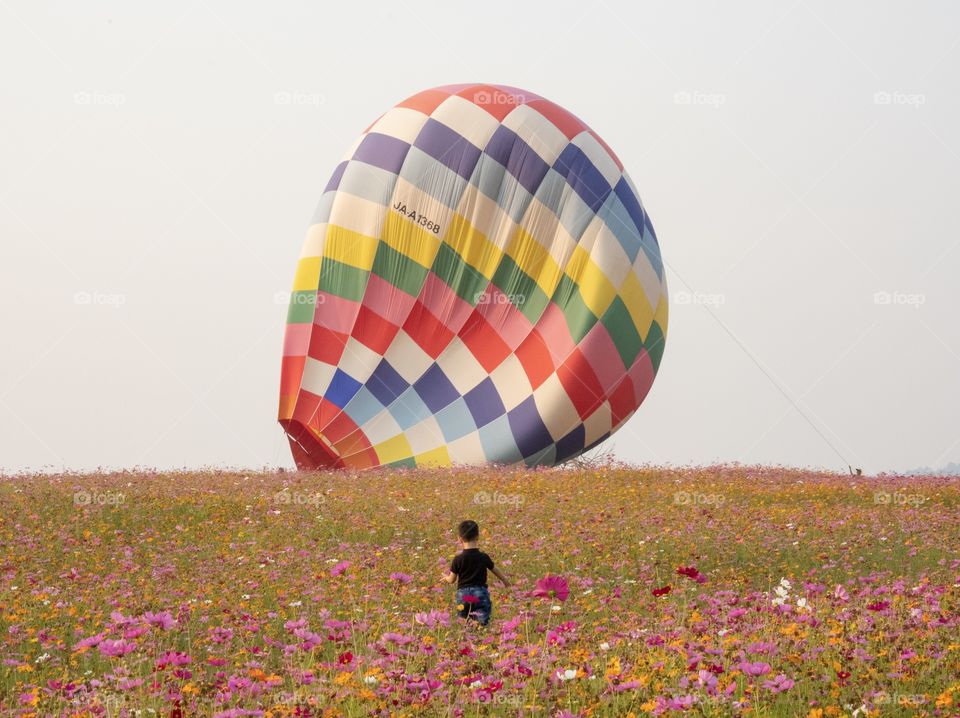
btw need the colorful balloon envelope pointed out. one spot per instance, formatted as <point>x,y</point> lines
<point>480,284</point>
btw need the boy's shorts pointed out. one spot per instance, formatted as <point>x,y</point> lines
<point>474,602</point>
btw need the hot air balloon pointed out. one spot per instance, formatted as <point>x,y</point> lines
<point>480,284</point>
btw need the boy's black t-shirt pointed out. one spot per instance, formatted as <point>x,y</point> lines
<point>470,566</point>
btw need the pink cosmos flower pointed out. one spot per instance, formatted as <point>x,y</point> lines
<point>160,620</point>
<point>90,641</point>
<point>401,577</point>
<point>339,568</point>
<point>173,658</point>
<point>779,683</point>
<point>552,587</point>
<point>294,625</point>
<point>755,669</point>
<point>117,648</point>
<point>432,619</point>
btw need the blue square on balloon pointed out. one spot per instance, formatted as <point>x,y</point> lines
<point>341,389</point>
<point>528,429</point>
<point>455,420</point>
<point>363,407</point>
<point>497,441</point>
<point>585,179</point>
<point>435,389</point>
<point>385,383</point>
<point>409,409</point>
<point>484,402</point>
<point>571,444</point>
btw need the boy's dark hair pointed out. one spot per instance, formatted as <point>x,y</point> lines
<point>468,530</point>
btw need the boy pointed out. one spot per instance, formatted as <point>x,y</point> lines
<point>469,570</point>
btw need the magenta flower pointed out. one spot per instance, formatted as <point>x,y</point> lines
<point>432,619</point>
<point>339,568</point>
<point>552,587</point>
<point>160,620</point>
<point>401,577</point>
<point>117,648</point>
<point>173,658</point>
<point>779,684</point>
<point>294,625</point>
<point>90,641</point>
<point>755,670</point>
<point>691,572</point>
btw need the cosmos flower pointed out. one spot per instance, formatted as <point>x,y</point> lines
<point>754,670</point>
<point>778,684</point>
<point>160,620</point>
<point>552,587</point>
<point>114,648</point>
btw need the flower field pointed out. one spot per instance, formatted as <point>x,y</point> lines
<point>717,591</point>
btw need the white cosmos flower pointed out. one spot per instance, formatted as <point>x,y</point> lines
<point>567,675</point>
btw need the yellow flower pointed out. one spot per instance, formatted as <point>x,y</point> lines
<point>945,699</point>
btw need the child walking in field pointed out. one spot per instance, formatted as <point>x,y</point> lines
<point>469,569</point>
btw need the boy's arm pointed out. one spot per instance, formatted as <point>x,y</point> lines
<point>451,576</point>
<point>503,579</point>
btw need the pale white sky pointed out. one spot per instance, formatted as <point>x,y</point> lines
<point>160,164</point>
